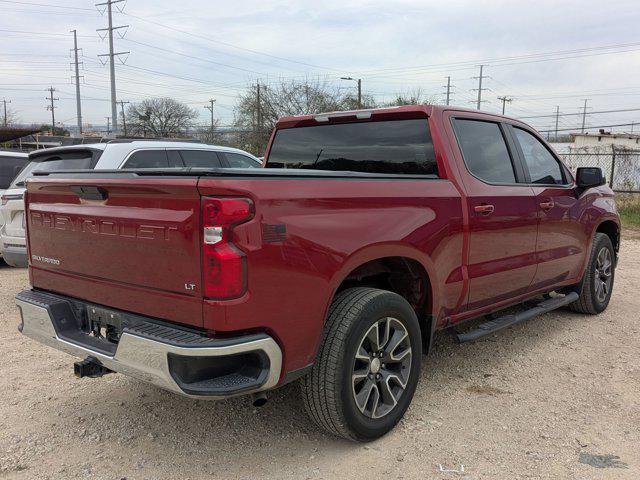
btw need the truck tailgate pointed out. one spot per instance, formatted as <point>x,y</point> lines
<point>130,243</point>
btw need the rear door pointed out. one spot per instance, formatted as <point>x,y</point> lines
<point>561,236</point>
<point>200,158</point>
<point>131,242</point>
<point>502,214</point>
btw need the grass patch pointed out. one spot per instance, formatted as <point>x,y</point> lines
<point>630,215</point>
<point>629,209</point>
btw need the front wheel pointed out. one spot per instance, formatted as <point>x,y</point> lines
<point>367,366</point>
<point>597,283</point>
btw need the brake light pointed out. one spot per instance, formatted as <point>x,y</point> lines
<point>224,265</point>
<point>5,199</point>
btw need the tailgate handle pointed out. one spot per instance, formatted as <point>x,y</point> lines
<point>90,193</point>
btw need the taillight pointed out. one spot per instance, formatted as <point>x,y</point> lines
<point>5,199</point>
<point>224,265</point>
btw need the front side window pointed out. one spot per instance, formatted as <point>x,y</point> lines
<point>237,160</point>
<point>543,167</point>
<point>396,147</point>
<point>200,158</point>
<point>485,151</point>
<point>148,159</point>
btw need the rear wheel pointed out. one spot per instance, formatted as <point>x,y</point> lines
<point>597,283</point>
<point>367,367</point>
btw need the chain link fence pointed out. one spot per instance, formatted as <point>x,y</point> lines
<point>622,168</point>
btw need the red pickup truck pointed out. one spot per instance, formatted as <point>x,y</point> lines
<point>334,265</point>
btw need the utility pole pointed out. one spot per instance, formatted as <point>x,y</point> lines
<point>504,101</point>
<point>480,89</point>
<point>557,119</point>
<point>52,107</point>
<point>448,90</point>
<point>359,80</point>
<point>124,121</point>
<point>5,101</point>
<point>584,114</point>
<point>210,108</point>
<point>78,107</point>
<point>108,125</point>
<point>258,109</point>
<point>112,55</point>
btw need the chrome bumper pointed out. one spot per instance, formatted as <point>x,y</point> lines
<point>145,358</point>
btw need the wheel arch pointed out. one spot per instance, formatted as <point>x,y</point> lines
<point>399,269</point>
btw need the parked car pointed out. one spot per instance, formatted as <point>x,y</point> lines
<point>104,156</point>
<point>367,232</point>
<point>10,165</point>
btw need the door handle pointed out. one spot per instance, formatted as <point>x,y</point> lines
<point>548,205</point>
<point>484,209</point>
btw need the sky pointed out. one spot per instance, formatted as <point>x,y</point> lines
<point>542,54</point>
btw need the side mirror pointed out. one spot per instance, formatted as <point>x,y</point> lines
<point>589,177</point>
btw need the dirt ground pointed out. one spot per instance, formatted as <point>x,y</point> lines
<point>556,397</point>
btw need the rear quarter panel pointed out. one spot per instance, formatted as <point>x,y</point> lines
<point>332,227</point>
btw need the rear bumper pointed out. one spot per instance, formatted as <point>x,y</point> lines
<point>14,250</point>
<point>179,360</point>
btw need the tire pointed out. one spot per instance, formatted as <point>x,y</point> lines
<point>338,393</point>
<point>593,300</point>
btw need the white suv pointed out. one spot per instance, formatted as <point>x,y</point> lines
<point>114,155</point>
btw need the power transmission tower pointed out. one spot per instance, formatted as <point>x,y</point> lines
<point>108,125</point>
<point>124,121</point>
<point>448,87</point>
<point>504,101</point>
<point>480,89</point>
<point>557,119</point>
<point>52,107</point>
<point>210,108</point>
<point>584,114</point>
<point>78,107</point>
<point>112,55</point>
<point>5,101</point>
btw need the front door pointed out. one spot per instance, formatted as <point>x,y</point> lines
<point>562,238</point>
<point>503,218</point>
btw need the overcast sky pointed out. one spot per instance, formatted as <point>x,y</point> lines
<point>194,50</point>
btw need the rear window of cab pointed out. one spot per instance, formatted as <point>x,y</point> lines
<point>393,147</point>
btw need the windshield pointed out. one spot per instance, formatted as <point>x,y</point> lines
<point>80,160</point>
<point>397,146</point>
<point>9,168</point>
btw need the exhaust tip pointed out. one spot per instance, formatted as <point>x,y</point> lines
<point>259,399</point>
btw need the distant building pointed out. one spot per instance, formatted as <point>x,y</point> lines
<point>605,140</point>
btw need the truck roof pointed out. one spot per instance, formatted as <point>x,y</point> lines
<point>391,113</point>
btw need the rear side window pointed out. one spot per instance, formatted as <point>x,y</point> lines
<point>79,160</point>
<point>543,167</point>
<point>200,158</point>
<point>147,159</point>
<point>398,146</point>
<point>485,151</point>
<point>237,160</point>
<point>9,168</point>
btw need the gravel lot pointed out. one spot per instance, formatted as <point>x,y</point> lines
<point>557,397</point>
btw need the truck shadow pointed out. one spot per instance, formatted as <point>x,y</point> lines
<point>119,414</point>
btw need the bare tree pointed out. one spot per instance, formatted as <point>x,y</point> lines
<point>212,134</point>
<point>260,107</point>
<point>412,97</point>
<point>159,117</point>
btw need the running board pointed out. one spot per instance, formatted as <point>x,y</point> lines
<point>508,320</point>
